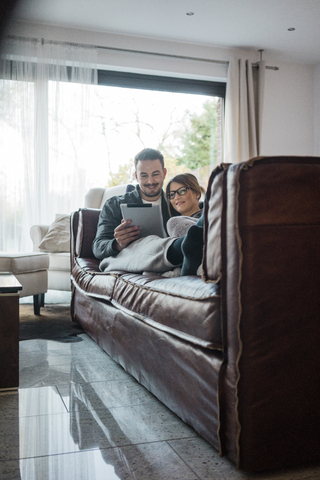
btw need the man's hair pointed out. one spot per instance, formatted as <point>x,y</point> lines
<point>148,154</point>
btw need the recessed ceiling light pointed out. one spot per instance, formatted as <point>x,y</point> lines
<point>291,29</point>
<point>190,14</point>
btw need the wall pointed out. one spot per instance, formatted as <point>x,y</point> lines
<point>290,116</point>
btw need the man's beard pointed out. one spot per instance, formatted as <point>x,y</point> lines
<point>151,195</point>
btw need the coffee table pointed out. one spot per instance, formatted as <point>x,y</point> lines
<point>9,331</point>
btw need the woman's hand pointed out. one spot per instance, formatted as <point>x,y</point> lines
<point>124,234</point>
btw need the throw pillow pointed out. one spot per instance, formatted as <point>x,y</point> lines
<point>57,238</point>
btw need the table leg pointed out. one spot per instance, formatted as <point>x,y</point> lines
<point>9,340</point>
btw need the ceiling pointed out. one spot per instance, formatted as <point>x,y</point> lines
<point>257,24</point>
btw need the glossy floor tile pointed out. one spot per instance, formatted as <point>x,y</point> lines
<point>79,416</point>
<point>131,462</point>
<point>82,430</point>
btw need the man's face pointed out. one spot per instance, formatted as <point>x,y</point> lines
<point>150,176</point>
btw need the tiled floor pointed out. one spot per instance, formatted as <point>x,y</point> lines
<point>79,416</point>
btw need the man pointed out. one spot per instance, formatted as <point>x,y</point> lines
<point>113,233</point>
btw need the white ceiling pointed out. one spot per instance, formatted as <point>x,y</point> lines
<point>257,24</point>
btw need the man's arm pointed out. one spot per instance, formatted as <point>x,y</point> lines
<point>113,234</point>
<point>109,219</point>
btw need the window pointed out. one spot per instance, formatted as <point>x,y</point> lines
<point>181,117</point>
<point>59,138</point>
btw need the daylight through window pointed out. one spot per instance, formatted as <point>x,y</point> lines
<point>61,138</point>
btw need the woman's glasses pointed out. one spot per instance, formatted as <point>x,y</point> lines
<point>181,191</point>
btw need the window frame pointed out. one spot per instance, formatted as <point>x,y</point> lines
<point>112,78</point>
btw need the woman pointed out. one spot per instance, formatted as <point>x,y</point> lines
<point>183,194</point>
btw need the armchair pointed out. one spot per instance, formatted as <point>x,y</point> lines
<point>59,260</point>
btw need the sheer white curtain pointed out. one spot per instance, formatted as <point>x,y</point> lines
<point>243,110</point>
<point>46,91</point>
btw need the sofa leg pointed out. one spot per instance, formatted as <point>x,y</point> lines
<point>38,301</point>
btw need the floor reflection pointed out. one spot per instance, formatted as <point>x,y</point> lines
<point>91,466</point>
<point>91,410</point>
<point>80,416</point>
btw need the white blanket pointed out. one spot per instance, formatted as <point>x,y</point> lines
<point>148,254</point>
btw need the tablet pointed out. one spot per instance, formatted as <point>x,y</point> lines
<point>146,216</point>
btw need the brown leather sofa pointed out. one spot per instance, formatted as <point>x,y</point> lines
<point>235,354</point>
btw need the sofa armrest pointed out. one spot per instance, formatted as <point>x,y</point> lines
<point>86,231</point>
<point>37,233</point>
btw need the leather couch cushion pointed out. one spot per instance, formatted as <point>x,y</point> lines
<point>185,306</point>
<point>87,276</point>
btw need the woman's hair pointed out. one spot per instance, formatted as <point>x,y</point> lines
<point>187,180</point>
